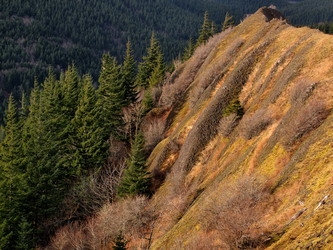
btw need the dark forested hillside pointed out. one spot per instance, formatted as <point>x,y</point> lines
<point>36,34</point>
<point>309,12</point>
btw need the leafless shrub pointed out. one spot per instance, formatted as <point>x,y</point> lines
<point>153,133</point>
<point>211,240</point>
<point>235,212</point>
<point>132,119</point>
<point>302,91</point>
<point>252,126</point>
<point>92,192</point>
<point>156,93</point>
<point>212,74</point>
<point>172,91</point>
<point>69,237</point>
<point>310,117</point>
<point>130,217</point>
<point>227,124</point>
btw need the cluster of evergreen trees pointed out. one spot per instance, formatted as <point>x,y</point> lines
<point>60,134</point>
<point>36,34</point>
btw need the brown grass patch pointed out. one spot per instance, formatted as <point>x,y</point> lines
<point>308,118</point>
<point>251,126</point>
<point>236,212</point>
<point>175,89</point>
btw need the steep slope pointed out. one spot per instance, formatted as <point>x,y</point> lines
<point>247,157</point>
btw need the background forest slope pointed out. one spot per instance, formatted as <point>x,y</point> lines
<point>37,34</point>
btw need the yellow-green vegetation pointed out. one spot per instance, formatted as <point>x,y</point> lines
<point>289,208</point>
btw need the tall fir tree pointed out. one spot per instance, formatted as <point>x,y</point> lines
<point>205,31</point>
<point>11,178</point>
<point>189,50</point>
<point>111,98</point>
<point>70,86</point>
<point>25,234</point>
<point>228,22</point>
<point>149,63</point>
<point>213,28</point>
<point>46,173</point>
<point>136,178</point>
<point>88,150</point>
<point>128,74</point>
<point>158,73</point>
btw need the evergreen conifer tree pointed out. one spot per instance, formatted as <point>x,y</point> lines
<point>213,29</point>
<point>44,147</point>
<point>70,90</point>
<point>11,178</point>
<point>136,178</point>
<point>205,31</point>
<point>150,62</point>
<point>228,21</point>
<point>120,243</point>
<point>128,74</point>
<point>111,98</point>
<point>158,73</point>
<point>87,147</point>
<point>25,234</point>
<point>189,50</point>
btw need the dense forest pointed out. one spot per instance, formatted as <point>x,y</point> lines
<point>59,142</point>
<point>37,34</point>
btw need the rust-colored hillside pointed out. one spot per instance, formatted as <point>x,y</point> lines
<point>244,149</point>
<point>248,154</point>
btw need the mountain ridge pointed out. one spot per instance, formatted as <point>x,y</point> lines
<point>287,101</point>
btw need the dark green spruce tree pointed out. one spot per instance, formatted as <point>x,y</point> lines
<point>205,31</point>
<point>47,173</point>
<point>158,73</point>
<point>11,178</point>
<point>128,74</point>
<point>136,178</point>
<point>111,98</point>
<point>189,50</point>
<point>228,22</point>
<point>149,63</point>
<point>88,150</point>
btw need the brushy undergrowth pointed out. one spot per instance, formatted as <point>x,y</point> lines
<point>175,89</point>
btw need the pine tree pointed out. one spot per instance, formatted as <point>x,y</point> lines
<point>128,74</point>
<point>87,147</point>
<point>158,73</point>
<point>136,178</point>
<point>70,90</point>
<point>205,31</point>
<point>111,98</point>
<point>228,21</point>
<point>189,50</point>
<point>25,234</point>
<point>120,243</point>
<point>44,147</point>
<point>147,101</point>
<point>150,62</point>
<point>213,29</point>
<point>11,177</point>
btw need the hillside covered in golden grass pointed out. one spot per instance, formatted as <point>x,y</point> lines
<point>246,156</point>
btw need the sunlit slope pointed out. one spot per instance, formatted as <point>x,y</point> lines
<point>277,154</point>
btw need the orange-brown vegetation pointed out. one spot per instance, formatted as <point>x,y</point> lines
<point>224,181</point>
